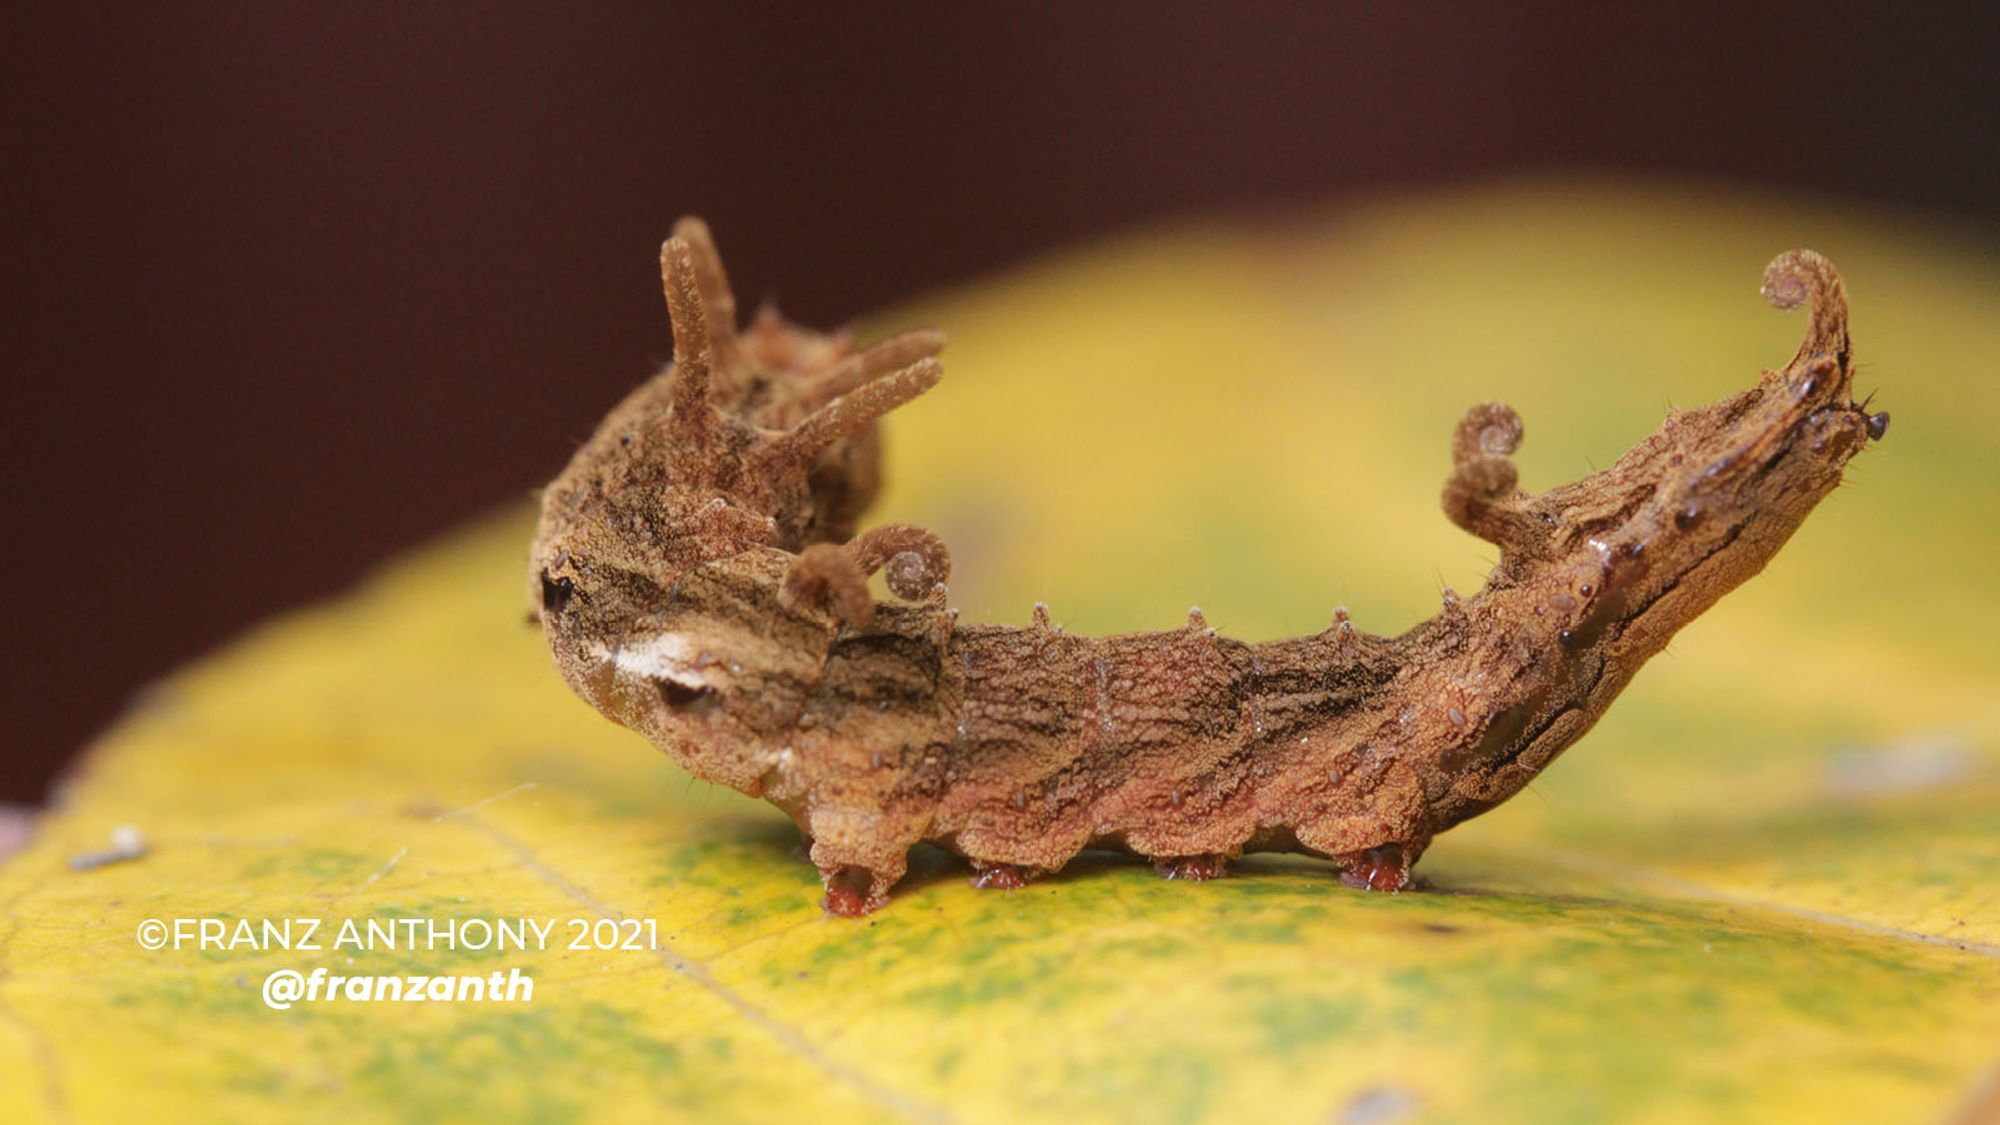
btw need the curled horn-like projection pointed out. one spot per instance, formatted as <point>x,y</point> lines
<point>1798,277</point>
<point>837,577</point>
<point>917,561</point>
<point>1480,496</point>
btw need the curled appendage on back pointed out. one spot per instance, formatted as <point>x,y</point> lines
<point>1481,496</point>
<point>1798,277</point>
<point>915,562</point>
<point>836,578</point>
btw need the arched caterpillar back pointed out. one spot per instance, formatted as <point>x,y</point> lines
<point>700,580</point>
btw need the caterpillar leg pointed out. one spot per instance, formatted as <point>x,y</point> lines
<point>1000,876</point>
<point>861,851</point>
<point>856,886</point>
<point>1194,868</point>
<point>1385,867</point>
<point>916,560</point>
<point>851,892</point>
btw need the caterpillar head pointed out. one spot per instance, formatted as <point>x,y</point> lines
<point>760,440</point>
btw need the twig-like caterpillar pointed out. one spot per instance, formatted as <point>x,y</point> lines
<point>700,581</point>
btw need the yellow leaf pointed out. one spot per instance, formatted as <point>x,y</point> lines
<point>1767,887</point>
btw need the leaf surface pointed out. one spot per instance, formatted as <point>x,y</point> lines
<point>1766,887</point>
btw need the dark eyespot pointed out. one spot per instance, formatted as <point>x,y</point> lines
<point>1878,424</point>
<point>1687,517</point>
<point>1566,638</point>
<point>556,593</point>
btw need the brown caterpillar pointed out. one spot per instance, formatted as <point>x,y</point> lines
<point>700,581</point>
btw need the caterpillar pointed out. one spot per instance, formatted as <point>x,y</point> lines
<point>701,578</point>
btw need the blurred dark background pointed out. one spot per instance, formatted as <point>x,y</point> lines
<point>292,287</point>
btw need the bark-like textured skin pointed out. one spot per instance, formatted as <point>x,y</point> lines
<point>700,580</point>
